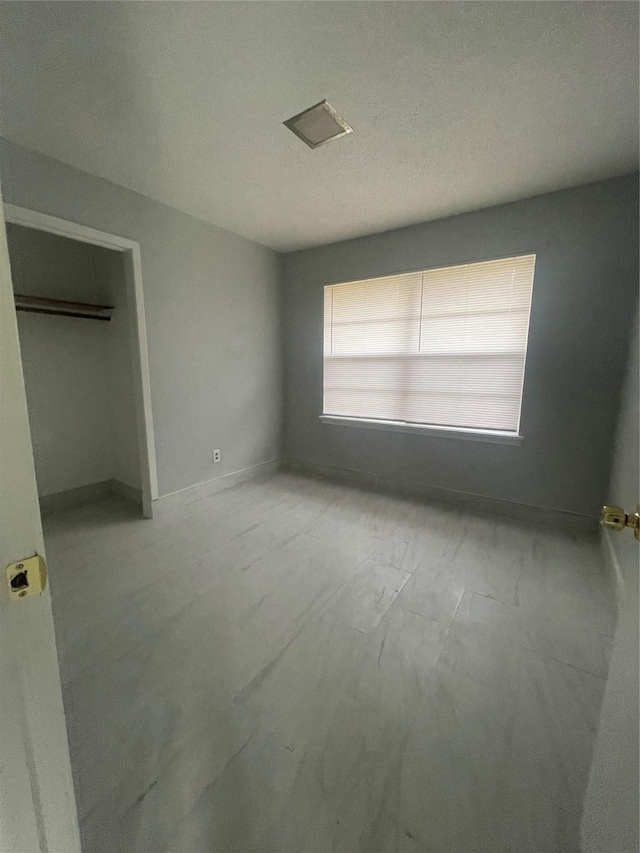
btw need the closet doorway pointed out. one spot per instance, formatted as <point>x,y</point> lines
<point>81,325</point>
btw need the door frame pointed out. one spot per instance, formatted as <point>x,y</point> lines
<point>137,325</point>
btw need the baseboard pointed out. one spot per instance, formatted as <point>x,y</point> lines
<point>539,516</point>
<point>175,500</point>
<point>612,563</point>
<point>73,498</point>
<point>129,493</point>
<point>81,495</point>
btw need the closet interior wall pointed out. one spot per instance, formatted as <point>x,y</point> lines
<point>78,372</point>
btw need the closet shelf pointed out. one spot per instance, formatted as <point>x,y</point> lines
<point>40,305</point>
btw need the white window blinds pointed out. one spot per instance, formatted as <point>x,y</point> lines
<point>445,347</point>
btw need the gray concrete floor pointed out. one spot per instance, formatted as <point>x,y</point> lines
<point>296,665</point>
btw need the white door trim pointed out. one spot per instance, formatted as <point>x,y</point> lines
<point>133,273</point>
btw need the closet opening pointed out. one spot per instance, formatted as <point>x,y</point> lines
<point>78,296</point>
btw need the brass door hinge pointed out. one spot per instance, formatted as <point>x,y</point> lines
<point>27,577</point>
<point>615,518</point>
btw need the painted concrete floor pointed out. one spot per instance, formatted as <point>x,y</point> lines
<point>296,665</point>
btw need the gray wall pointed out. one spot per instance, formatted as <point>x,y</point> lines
<point>585,288</point>
<point>610,820</point>
<point>211,304</point>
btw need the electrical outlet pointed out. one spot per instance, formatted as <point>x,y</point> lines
<point>216,456</point>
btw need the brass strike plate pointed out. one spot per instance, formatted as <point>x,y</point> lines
<point>615,518</point>
<point>26,577</point>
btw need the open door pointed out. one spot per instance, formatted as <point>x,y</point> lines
<point>611,814</point>
<point>37,804</point>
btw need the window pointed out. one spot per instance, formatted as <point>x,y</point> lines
<point>443,347</point>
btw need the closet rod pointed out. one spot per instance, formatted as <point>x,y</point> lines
<point>41,305</point>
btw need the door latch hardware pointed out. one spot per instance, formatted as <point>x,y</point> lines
<point>615,518</point>
<point>27,577</point>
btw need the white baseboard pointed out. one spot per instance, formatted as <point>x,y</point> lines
<point>73,498</point>
<point>175,500</point>
<point>81,495</point>
<point>540,516</point>
<point>129,493</point>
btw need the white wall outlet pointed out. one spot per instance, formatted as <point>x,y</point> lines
<point>216,456</point>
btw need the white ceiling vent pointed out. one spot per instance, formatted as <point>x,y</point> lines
<point>318,124</point>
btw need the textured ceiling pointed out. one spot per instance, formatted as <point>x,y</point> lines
<point>455,106</point>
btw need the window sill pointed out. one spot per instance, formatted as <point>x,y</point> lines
<point>489,436</point>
